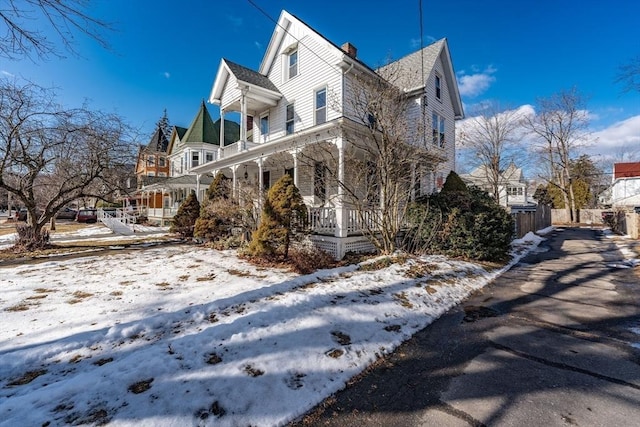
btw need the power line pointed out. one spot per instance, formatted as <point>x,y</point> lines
<point>333,67</point>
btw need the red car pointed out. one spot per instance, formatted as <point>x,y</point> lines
<point>87,215</point>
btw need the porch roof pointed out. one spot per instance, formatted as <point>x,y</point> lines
<point>323,132</point>
<point>183,181</point>
<point>260,91</point>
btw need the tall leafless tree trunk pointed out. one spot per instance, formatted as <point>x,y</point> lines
<point>560,124</point>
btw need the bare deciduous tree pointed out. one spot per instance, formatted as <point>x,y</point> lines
<point>490,139</point>
<point>561,126</point>
<point>51,156</point>
<point>25,24</point>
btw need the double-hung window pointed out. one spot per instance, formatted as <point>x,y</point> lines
<point>321,105</point>
<point>438,127</point>
<point>264,125</point>
<point>290,119</point>
<point>292,64</point>
<point>195,159</point>
<point>438,88</point>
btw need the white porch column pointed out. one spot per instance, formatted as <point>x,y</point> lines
<point>260,163</point>
<point>243,119</point>
<point>342,214</point>
<point>221,146</point>
<point>234,168</point>
<point>198,198</point>
<point>221,128</point>
<point>294,154</point>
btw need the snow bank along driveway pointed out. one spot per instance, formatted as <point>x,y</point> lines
<point>190,336</point>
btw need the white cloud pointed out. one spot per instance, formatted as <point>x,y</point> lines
<point>6,73</point>
<point>258,45</point>
<point>472,85</point>
<point>625,133</point>
<point>166,75</point>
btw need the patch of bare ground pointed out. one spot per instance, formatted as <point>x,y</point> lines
<point>253,372</point>
<point>140,386</point>
<point>401,297</point>
<point>27,377</point>
<point>21,306</point>
<point>79,296</point>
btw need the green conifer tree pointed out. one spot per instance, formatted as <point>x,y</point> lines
<point>185,219</point>
<point>283,209</point>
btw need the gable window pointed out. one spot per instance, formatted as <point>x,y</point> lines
<point>438,89</point>
<point>195,159</point>
<point>264,125</point>
<point>438,128</point>
<point>319,181</point>
<point>292,62</point>
<point>290,119</point>
<point>321,105</point>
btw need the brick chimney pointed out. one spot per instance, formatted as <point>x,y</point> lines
<point>349,49</point>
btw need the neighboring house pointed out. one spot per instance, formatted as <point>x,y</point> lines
<point>152,162</point>
<point>186,149</point>
<point>299,102</point>
<point>512,186</point>
<point>625,188</point>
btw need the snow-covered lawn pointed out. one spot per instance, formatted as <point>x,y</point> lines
<point>184,335</point>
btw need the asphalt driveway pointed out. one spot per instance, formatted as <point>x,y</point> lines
<point>549,343</point>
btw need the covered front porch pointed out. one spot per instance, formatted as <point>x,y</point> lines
<point>159,202</point>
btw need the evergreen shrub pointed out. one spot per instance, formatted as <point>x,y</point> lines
<point>460,222</point>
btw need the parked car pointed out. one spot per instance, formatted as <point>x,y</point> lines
<point>87,215</point>
<point>66,213</point>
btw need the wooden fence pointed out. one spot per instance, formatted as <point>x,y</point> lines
<point>532,220</point>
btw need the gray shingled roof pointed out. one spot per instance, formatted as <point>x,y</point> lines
<point>158,142</point>
<point>411,62</point>
<point>250,76</point>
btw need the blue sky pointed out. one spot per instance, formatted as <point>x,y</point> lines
<point>165,54</point>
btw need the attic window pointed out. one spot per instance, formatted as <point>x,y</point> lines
<point>438,88</point>
<point>292,64</point>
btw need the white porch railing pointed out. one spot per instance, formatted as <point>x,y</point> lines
<point>154,213</point>
<point>236,147</point>
<point>358,221</point>
<point>323,220</point>
<point>119,214</point>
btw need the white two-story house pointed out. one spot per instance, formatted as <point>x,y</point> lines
<point>296,117</point>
